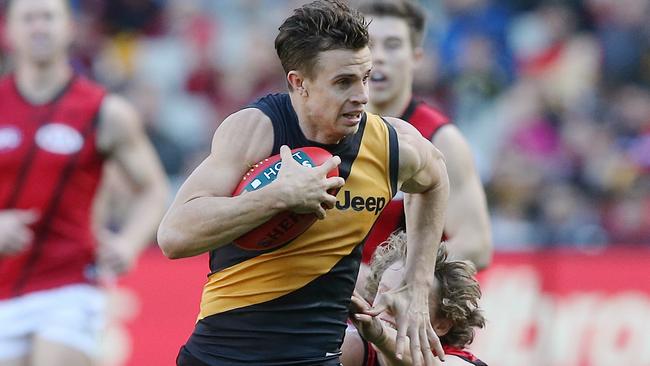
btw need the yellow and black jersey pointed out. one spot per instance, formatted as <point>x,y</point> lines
<point>288,305</point>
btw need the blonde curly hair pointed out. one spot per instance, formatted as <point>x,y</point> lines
<point>458,291</point>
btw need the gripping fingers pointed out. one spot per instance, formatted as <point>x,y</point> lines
<point>435,343</point>
<point>426,348</point>
<point>329,201</point>
<point>416,350</point>
<point>357,305</point>
<point>399,346</point>
<point>330,164</point>
<point>334,183</point>
<point>320,213</point>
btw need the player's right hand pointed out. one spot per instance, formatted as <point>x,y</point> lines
<point>370,328</point>
<point>15,233</point>
<point>304,189</point>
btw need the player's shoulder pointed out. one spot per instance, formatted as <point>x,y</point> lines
<point>117,108</point>
<point>247,120</point>
<point>247,132</point>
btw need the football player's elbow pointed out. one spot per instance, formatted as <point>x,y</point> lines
<point>170,242</point>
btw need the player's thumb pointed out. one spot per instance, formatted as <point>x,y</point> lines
<point>379,306</point>
<point>285,154</point>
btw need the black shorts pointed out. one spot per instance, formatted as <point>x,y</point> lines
<point>185,358</point>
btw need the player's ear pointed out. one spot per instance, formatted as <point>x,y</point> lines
<point>442,326</point>
<point>418,55</point>
<point>296,80</point>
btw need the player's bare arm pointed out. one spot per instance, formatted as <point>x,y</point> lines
<point>423,179</point>
<point>204,216</point>
<point>122,138</point>
<point>467,222</point>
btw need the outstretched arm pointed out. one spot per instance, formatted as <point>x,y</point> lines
<point>424,181</point>
<point>122,138</point>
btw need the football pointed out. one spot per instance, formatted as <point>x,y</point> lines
<point>287,225</point>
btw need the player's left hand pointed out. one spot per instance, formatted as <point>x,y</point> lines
<point>115,254</point>
<point>410,306</point>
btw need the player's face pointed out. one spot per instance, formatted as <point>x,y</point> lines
<point>39,30</point>
<point>391,279</point>
<point>393,59</point>
<point>338,92</point>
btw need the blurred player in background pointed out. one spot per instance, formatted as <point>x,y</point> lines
<point>453,304</point>
<point>57,130</point>
<point>289,305</point>
<point>396,36</point>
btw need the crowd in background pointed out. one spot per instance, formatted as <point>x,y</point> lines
<point>553,96</point>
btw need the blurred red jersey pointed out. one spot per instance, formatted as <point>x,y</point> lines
<point>428,121</point>
<point>49,162</point>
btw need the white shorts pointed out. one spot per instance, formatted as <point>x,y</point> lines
<point>72,315</point>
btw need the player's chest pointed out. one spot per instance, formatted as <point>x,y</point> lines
<point>50,143</point>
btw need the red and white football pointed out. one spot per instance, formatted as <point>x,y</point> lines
<point>287,225</point>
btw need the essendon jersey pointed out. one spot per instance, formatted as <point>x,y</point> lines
<point>49,163</point>
<point>428,121</point>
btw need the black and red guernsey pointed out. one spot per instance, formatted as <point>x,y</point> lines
<point>49,162</point>
<point>428,121</point>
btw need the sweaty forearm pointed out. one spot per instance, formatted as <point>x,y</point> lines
<point>206,223</point>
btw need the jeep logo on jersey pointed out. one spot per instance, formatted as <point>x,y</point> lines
<point>359,203</point>
<point>10,138</point>
<point>59,139</point>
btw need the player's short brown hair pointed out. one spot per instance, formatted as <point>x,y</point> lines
<point>409,11</point>
<point>458,290</point>
<point>316,27</point>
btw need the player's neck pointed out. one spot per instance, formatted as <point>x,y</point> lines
<point>394,107</point>
<point>40,84</point>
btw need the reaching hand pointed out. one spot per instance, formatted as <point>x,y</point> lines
<point>410,306</point>
<point>15,233</point>
<point>305,189</point>
<point>115,255</point>
<point>370,328</point>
